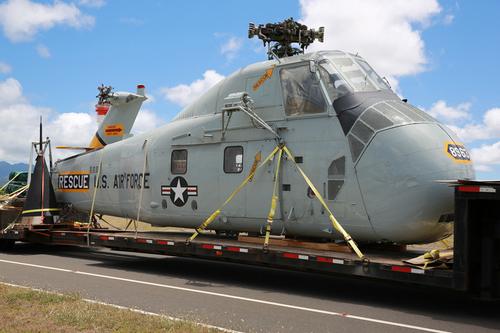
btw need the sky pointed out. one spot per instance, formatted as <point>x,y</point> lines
<point>440,55</point>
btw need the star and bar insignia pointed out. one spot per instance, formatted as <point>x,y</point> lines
<point>179,191</point>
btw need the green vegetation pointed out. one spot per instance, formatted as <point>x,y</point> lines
<point>15,182</point>
<point>25,310</point>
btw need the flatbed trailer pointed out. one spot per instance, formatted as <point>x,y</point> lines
<point>475,270</point>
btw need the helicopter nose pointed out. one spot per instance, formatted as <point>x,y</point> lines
<point>398,173</point>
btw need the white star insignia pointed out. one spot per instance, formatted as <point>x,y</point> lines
<point>179,191</point>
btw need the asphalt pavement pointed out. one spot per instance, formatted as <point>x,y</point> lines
<point>244,298</point>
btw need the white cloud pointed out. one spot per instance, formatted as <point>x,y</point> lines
<point>231,47</point>
<point>185,94</point>
<point>383,32</point>
<point>11,92</point>
<point>146,121</point>
<point>20,125</point>
<point>489,128</point>
<point>71,128</point>
<point>448,113</point>
<point>486,157</point>
<point>43,51</point>
<point>22,19</point>
<point>92,3</point>
<point>20,121</point>
<point>5,68</point>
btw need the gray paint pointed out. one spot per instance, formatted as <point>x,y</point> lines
<point>389,191</point>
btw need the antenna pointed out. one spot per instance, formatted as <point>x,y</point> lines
<point>40,142</point>
<point>280,36</point>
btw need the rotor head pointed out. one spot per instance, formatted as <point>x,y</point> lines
<point>280,36</point>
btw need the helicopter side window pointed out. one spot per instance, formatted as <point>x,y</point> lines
<point>301,91</point>
<point>336,173</point>
<point>178,163</point>
<point>233,159</point>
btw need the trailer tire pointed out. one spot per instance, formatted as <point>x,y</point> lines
<point>7,245</point>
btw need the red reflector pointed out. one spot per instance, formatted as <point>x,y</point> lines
<point>218,253</point>
<point>102,109</point>
<point>207,246</point>
<point>103,238</point>
<point>291,255</point>
<point>161,242</point>
<point>402,269</point>
<point>323,259</point>
<point>233,249</point>
<point>469,188</point>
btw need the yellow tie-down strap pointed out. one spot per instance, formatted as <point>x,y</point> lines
<point>334,221</point>
<point>40,210</point>
<point>274,200</point>
<point>250,176</point>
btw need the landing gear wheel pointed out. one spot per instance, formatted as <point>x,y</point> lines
<point>7,244</point>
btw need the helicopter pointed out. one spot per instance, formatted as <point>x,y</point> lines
<point>373,160</point>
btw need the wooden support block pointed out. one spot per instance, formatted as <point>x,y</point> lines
<point>296,243</point>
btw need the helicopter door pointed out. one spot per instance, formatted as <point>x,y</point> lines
<point>185,177</point>
<point>316,140</point>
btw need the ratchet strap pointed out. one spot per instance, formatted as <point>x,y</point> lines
<point>10,181</point>
<point>216,213</point>
<point>334,221</point>
<point>256,162</point>
<point>145,147</point>
<point>274,200</point>
<point>14,194</point>
<point>96,183</point>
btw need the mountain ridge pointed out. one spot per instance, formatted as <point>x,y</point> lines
<point>6,168</point>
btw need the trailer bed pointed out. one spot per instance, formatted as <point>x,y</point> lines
<point>475,269</point>
<point>382,264</point>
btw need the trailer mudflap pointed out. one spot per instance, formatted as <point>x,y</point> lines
<point>477,238</point>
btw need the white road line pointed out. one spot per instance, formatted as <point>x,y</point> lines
<point>121,307</point>
<point>253,300</point>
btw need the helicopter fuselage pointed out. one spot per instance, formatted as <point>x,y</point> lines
<point>374,158</point>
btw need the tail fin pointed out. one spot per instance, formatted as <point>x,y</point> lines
<point>120,110</point>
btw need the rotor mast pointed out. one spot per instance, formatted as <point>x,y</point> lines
<point>279,37</point>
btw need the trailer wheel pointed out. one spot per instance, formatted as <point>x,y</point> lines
<point>6,244</point>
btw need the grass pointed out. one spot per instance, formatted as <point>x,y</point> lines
<point>26,310</point>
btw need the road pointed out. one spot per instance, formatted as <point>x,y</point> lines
<point>243,298</point>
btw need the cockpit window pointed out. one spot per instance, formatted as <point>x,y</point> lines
<point>379,82</point>
<point>301,91</point>
<point>335,85</point>
<point>353,73</point>
<point>357,72</point>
